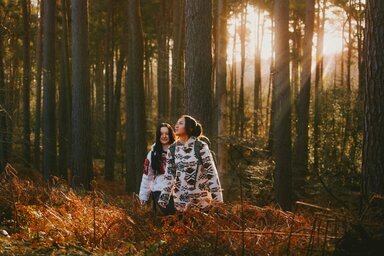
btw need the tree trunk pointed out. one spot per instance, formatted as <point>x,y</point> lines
<point>373,142</point>
<point>81,105</point>
<point>360,50</point>
<point>147,78</point>
<point>39,48</point>
<point>301,148</point>
<point>318,82</point>
<point>131,172</point>
<point>3,117</point>
<point>99,108</point>
<point>347,109</point>
<point>163,62</point>
<point>269,123</point>
<point>108,169</point>
<point>257,84</point>
<point>115,119</point>
<point>26,84</point>
<point>221,94</point>
<point>177,60</point>
<point>241,109</point>
<point>233,85</point>
<point>296,57</point>
<point>135,79</point>
<point>49,79</point>
<point>282,108</point>
<point>64,98</point>
<point>198,58</point>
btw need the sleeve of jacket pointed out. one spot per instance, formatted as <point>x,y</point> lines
<point>147,179</point>
<point>169,179</point>
<point>212,174</point>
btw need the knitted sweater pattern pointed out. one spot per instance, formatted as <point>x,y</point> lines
<point>192,183</point>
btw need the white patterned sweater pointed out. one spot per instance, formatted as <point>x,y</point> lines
<point>151,182</point>
<point>193,184</point>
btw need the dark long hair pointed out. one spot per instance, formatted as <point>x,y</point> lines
<point>157,152</point>
<point>192,127</point>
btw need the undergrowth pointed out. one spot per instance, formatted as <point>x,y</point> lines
<point>54,215</point>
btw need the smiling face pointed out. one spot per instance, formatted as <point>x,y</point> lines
<point>164,136</point>
<point>180,127</point>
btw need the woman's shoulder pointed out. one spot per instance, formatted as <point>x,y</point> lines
<point>150,151</point>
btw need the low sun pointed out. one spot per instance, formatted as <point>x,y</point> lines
<point>332,37</point>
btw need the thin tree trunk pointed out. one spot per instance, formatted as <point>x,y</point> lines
<point>177,60</point>
<point>135,80</point>
<point>99,109</point>
<point>318,82</point>
<point>301,148</point>
<point>26,84</point>
<point>131,172</point>
<point>81,105</point>
<point>39,48</point>
<point>64,99</point>
<point>282,109</point>
<point>296,52</point>
<point>342,57</point>
<point>198,20</point>
<point>221,93</point>
<point>269,122</point>
<point>163,62</point>
<point>108,170</point>
<point>241,108</point>
<point>349,89</point>
<point>257,83</point>
<point>3,112</point>
<point>360,50</point>
<point>49,105</point>
<point>115,118</point>
<point>147,78</point>
<point>233,82</point>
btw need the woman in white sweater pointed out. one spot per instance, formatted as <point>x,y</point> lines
<point>154,168</point>
<point>191,175</point>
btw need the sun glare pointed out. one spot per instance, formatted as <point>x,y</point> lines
<point>332,37</point>
<point>254,24</point>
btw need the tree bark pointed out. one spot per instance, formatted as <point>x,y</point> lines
<point>347,110</point>
<point>282,108</point>
<point>163,62</point>
<point>115,119</point>
<point>318,82</point>
<point>26,84</point>
<point>64,98</point>
<point>221,94</point>
<point>81,105</point>
<point>269,123</point>
<point>233,86</point>
<point>177,60</point>
<point>257,91</point>
<point>39,48</point>
<point>49,79</point>
<point>3,117</point>
<point>241,108</point>
<point>301,149</point>
<point>198,57</point>
<point>109,154</point>
<point>135,80</point>
<point>373,142</point>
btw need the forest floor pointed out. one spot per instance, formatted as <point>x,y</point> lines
<point>54,220</point>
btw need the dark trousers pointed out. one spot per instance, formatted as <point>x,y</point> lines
<point>169,210</point>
